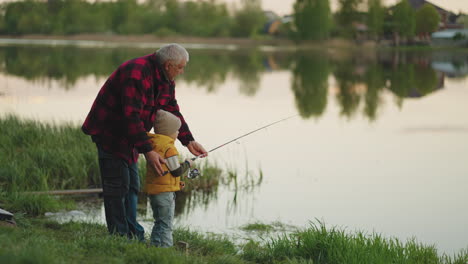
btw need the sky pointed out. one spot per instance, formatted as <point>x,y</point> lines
<point>284,7</point>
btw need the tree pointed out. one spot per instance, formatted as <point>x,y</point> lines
<point>463,19</point>
<point>404,19</point>
<point>427,19</point>
<point>375,18</point>
<point>312,19</point>
<point>249,19</point>
<point>347,15</point>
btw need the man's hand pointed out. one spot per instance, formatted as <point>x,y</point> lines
<point>196,149</point>
<point>155,160</point>
<point>190,162</point>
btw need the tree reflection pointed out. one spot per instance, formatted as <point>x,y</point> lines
<point>425,79</point>
<point>246,67</point>
<point>207,69</point>
<point>375,82</point>
<point>349,77</point>
<point>67,63</point>
<point>207,193</point>
<point>413,77</point>
<point>310,83</point>
<point>402,80</point>
<point>360,78</point>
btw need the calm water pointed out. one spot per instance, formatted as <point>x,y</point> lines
<point>380,143</point>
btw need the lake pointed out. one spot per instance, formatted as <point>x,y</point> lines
<point>379,143</point>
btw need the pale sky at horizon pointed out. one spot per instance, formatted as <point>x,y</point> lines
<point>284,7</point>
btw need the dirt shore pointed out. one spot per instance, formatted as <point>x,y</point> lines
<point>238,42</point>
<point>152,38</point>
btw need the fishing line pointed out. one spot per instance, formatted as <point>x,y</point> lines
<point>246,134</point>
<point>193,173</point>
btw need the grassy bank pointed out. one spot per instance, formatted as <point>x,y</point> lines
<point>37,156</point>
<point>320,244</point>
<point>44,241</point>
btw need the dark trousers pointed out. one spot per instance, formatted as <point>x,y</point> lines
<point>120,184</point>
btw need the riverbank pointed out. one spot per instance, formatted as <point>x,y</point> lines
<point>38,240</point>
<point>193,42</point>
<point>112,38</point>
<point>338,46</point>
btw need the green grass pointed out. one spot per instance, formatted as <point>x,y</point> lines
<point>209,179</point>
<point>257,226</point>
<point>37,156</point>
<point>32,204</point>
<point>205,244</point>
<point>331,245</point>
<point>43,241</point>
<point>266,228</point>
<point>37,240</point>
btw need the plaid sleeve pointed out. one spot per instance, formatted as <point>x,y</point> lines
<point>185,136</point>
<point>132,104</point>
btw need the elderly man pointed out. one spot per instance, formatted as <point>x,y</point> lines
<point>123,111</point>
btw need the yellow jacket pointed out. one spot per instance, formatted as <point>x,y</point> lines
<point>164,146</point>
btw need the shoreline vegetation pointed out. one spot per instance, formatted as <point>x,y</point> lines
<point>230,43</point>
<point>39,240</point>
<point>401,23</point>
<point>65,158</point>
<point>191,42</point>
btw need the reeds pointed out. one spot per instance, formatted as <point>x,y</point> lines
<point>45,241</point>
<point>320,244</point>
<point>32,204</point>
<point>37,156</point>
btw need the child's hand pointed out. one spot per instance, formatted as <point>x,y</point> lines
<point>182,185</point>
<point>190,162</point>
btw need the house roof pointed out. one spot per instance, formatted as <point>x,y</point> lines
<point>416,4</point>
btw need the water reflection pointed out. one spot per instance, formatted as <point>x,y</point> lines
<point>91,209</point>
<point>390,175</point>
<point>230,181</point>
<point>360,78</point>
<point>310,83</point>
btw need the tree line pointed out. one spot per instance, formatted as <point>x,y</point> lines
<point>404,74</point>
<point>159,17</point>
<point>312,19</point>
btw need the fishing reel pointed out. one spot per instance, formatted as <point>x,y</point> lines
<point>192,174</point>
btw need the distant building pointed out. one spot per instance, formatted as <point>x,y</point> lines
<point>450,68</point>
<point>448,20</point>
<point>452,37</point>
<point>274,22</point>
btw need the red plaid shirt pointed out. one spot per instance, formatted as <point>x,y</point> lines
<point>124,110</point>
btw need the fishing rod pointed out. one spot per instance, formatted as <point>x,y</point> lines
<point>194,173</point>
<point>246,134</point>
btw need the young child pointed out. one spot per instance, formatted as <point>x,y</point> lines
<point>161,189</point>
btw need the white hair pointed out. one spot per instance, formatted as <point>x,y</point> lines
<point>172,52</point>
